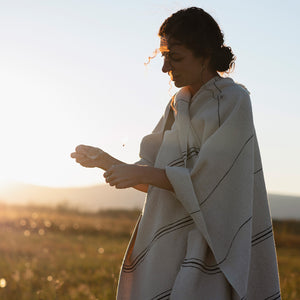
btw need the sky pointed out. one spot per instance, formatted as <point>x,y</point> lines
<point>72,72</point>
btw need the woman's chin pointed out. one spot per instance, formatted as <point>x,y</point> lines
<point>178,84</point>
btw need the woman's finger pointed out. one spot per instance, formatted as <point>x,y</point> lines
<point>112,178</point>
<point>117,181</point>
<point>113,181</point>
<point>108,179</point>
<point>107,174</point>
<point>89,151</point>
<point>81,149</point>
<point>111,169</point>
<point>77,155</point>
<point>73,154</point>
<point>84,162</point>
<point>125,184</point>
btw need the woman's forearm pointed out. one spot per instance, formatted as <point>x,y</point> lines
<point>138,176</point>
<point>142,187</point>
<point>107,161</point>
<point>157,177</point>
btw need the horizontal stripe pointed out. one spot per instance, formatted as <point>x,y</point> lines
<point>257,238</point>
<point>198,260</point>
<point>162,295</point>
<point>274,296</point>
<point>184,222</point>
<point>181,162</point>
<point>199,264</point>
<point>261,232</point>
<point>195,262</point>
<point>193,151</point>
<point>164,228</point>
<point>260,241</point>
<point>166,297</point>
<point>270,232</point>
<point>262,236</point>
<point>197,267</point>
<point>131,268</point>
<point>259,170</point>
<point>228,251</point>
<point>156,237</point>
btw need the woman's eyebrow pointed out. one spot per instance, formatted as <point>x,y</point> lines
<point>175,47</point>
<point>175,52</point>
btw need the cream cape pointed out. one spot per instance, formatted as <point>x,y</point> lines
<point>212,238</point>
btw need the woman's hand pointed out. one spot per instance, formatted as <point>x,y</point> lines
<point>140,177</point>
<point>119,174</point>
<point>89,157</point>
<point>125,175</point>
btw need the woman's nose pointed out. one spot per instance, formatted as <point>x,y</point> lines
<point>166,66</point>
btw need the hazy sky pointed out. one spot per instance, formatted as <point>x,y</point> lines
<point>73,72</point>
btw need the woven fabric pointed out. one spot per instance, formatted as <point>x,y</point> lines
<point>212,237</point>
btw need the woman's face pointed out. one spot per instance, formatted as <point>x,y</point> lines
<point>180,63</point>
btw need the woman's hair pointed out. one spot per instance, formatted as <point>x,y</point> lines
<point>199,32</point>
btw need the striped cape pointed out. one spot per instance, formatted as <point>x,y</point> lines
<point>212,237</point>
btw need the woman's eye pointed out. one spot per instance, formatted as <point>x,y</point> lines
<point>175,57</point>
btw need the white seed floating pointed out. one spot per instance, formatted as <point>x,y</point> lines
<point>2,283</point>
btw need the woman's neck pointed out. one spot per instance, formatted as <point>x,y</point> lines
<point>194,88</point>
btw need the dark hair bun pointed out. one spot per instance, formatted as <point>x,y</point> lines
<point>223,59</point>
<point>199,32</point>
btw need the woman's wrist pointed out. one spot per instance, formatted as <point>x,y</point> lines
<point>105,161</point>
<point>146,174</point>
<point>156,177</point>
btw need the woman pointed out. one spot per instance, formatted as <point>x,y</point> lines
<point>205,231</point>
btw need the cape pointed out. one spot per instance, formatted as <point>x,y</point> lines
<point>211,238</point>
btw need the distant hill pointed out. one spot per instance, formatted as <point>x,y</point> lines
<point>102,196</point>
<point>91,198</point>
<point>285,207</point>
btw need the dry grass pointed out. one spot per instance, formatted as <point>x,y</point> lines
<point>55,254</point>
<point>287,239</point>
<point>62,254</point>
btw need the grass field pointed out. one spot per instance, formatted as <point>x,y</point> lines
<point>62,254</point>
